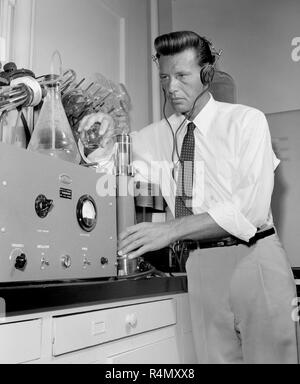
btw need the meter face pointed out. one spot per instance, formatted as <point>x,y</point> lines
<point>87,213</point>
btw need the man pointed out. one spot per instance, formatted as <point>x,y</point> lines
<point>240,283</point>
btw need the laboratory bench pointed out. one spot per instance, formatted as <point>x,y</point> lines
<point>145,320</point>
<point>27,298</point>
<point>136,321</point>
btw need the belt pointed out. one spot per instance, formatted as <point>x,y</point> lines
<point>227,242</point>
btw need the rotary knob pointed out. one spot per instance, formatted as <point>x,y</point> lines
<point>131,321</point>
<point>43,206</point>
<point>104,261</point>
<point>66,261</point>
<point>21,262</point>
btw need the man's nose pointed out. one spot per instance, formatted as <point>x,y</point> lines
<point>172,86</point>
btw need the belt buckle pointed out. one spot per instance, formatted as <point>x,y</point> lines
<point>229,242</point>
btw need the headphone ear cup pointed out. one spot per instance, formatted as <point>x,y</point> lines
<point>207,74</point>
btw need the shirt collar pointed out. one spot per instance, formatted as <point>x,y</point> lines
<point>204,118</point>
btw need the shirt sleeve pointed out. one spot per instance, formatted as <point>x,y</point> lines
<point>252,187</point>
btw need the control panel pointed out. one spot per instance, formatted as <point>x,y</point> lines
<point>55,223</point>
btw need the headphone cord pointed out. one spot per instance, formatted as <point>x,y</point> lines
<point>174,135</point>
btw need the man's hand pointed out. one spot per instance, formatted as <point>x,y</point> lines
<point>144,238</point>
<point>106,126</point>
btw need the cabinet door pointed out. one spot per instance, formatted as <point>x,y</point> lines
<point>20,342</point>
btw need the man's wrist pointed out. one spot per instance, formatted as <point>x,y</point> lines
<point>175,228</point>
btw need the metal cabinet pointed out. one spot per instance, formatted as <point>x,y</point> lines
<point>144,331</point>
<point>20,342</point>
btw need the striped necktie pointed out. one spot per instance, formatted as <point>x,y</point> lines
<point>184,195</point>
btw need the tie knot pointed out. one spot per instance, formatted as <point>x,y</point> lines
<point>191,128</point>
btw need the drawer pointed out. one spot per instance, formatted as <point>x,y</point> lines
<point>157,347</point>
<point>84,330</point>
<point>20,342</point>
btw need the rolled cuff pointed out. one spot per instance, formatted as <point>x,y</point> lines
<point>228,217</point>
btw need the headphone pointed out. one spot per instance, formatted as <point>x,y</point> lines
<point>207,74</point>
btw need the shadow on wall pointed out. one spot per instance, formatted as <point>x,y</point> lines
<point>223,88</point>
<point>285,133</point>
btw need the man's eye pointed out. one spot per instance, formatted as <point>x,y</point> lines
<point>163,78</point>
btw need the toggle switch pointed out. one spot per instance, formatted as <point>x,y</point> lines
<point>66,261</point>
<point>44,263</point>
<point>86,263</point>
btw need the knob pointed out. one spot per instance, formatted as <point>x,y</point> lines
<point>104,261</point>
<point>66,261</point>
<point>21,262</point>
<point>10,68</point>
<point>144,266</point>
<point>43,206</point>
<point>131,320</point>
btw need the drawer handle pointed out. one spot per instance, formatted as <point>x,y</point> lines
<point>131,320</point>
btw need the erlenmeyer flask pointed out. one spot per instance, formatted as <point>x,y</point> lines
<point>52,134</point>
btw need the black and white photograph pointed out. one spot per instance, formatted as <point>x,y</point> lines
<point>149,185</point>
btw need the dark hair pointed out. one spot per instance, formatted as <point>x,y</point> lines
<point>177,42</point>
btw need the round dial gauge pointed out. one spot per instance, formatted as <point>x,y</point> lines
<point>87,213</point>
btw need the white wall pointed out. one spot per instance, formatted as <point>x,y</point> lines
<point>165,16</point>
<point>256,36</point>
<point>88,37</point>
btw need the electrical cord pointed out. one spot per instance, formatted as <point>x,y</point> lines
<point>26,129</point>
<point>187,117</point>
<point>175,135</point>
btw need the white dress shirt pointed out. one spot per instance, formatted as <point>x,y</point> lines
<point>234,165</point>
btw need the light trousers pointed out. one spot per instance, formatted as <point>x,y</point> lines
<point>241,304</point>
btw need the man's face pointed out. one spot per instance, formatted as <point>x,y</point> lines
<point>180,77</point>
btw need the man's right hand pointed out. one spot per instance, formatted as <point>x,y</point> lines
<point>103,121</point>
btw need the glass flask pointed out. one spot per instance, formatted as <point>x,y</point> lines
<point>52,135</point>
